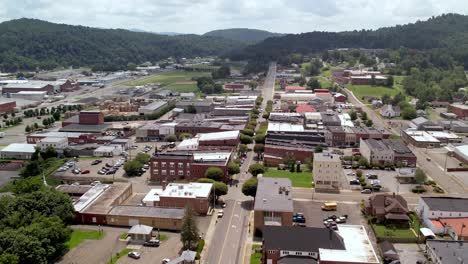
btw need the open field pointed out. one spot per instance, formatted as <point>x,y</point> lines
<point>183,88</point>
<point>79,236</point>
<point>168,78</point>
<point>377,91</point>
<point>299,179</point>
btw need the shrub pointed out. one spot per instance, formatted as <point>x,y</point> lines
<point>419,189</point>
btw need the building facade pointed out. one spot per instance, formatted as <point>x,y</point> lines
<point>328,174</point>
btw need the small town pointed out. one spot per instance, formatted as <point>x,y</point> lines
<point>250,147</point>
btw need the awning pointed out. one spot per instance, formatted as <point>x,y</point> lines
<point>426,232</point>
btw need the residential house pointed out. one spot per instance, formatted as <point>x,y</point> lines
<point>388,209</point>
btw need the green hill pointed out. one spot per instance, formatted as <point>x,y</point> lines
<point>245,35</point>
<point>30,44</point>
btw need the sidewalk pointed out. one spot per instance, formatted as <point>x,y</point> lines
<point>249,241</point>
<point>209,235</point>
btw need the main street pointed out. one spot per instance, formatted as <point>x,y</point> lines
<point>227,244</point>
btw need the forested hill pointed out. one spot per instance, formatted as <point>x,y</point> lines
<point>448,31</point>
<point>27,44</point>
<point>245,35</point>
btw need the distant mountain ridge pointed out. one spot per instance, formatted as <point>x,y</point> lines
<point>245,35</point>
<point>31,44</point>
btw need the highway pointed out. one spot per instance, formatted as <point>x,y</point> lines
<point>228,242</point>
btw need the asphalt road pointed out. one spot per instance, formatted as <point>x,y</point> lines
<point>228,242</point>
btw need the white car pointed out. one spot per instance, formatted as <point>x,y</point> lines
<point>165,261</point>
<point>220,214</point>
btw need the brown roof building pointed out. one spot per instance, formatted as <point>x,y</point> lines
<point>388,208</point>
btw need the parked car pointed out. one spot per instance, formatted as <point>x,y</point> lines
<point>341,220</point>
<point>220,214</point>
<point>109,165</point>
<point>96,162</point>
<point>299,218</point>
<point>62,169</point>
<point>366,191</point>
<point>372,176</point>
<point>101,172</point>
<point>165,261</point>
<point>151,243</point>
<point>76,171</point>
<point>134,255</point>
<point>354,182</point>
<point>351,174</point>
<point>299,224</point>
<point>94,183</point>
<point>348,167</point>
<point>85,172</point>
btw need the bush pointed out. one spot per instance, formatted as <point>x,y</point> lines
<point>419,189</point>
<point>214,173</point>
<point>249,188</point>
<point>245,139</point>
<point>256,169</point>
<point>359,173</point>
<point>170,138</point>
<point>201,244</point>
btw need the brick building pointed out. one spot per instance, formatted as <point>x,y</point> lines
<point>91,117</point>
<point>7,107</point>
<point>76,138</point>
<point>29,86</point>
<point>273,203</point>
<point>178,195</point>
<point>460,110</point>
<point>387,150</point>
<point>187,165</point>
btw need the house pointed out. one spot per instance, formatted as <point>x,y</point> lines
<point>140,233</point>
<point>390,111</point>
<point>273,204</point>
<point>377,103</point>
<point>421,113</point>
<point>18,151</point>
<point>447,252</point>
<point>339,98</point>
<point>388,209</point>
<point>444,215</point>
<point>186,257</point>
<point>328,173</point>
<point>286,244</point>
<point>461,110</point>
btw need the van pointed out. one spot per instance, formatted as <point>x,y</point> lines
<point>330,206</point>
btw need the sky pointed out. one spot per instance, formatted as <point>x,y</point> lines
<point>200,16</point>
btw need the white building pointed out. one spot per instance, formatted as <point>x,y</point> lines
<point>327,172</point>
<point>432,209</point>
<point>108,151</point>
<point>58,143</point>
<point>18,151</point>
<point>375,150</point>
<point>152,107</point>
<point>30,95</point>
<point>188,144</point>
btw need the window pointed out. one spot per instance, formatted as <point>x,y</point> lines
<point>188,173</point>
<point>171,164</point>
<point>163,164</point>
<point>181,172</point>
<point>163,172</point>
<point>172,172</point>
<point>156,172</point>
<point>155,164</point>
<point>181,165</point>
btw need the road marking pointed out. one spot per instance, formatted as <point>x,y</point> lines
<point>227,234</point>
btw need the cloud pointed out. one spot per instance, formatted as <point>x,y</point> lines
<point>199,16</point>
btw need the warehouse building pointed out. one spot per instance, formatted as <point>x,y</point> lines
<point>18,151</point>
<point>30,95</point>
<point>152,108</point>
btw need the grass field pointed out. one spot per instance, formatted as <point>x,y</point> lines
<point>299,179</point>
<point>168,78</point>
<point>255,258</point>
<point>116,258</point>
<point>382,231</point>
<point>78,236</point>
<point>183,88</point>
<point>378,91</point>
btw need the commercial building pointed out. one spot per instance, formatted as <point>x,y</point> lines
<point>29,86</point>
<point>76,138</point>
<point>234,86</point>
<point>102,205</point>
<point>198,106</point>
<point>421,139</point>
<point>444,215</point>
<point>18,151</point>
<point>151,108</point>
<point>85,122</point>
<point>273,203</point>
<point>187,165</point>
<point>294,88</point>
<point>179,195</point>
<point>368,80</point>
<point>108,151</point>
<point>387,151</point>
<point>460,110</point>
<point>328,173</point>
<point>198,127</point>
<point>231,111</point>
<point>58,143</point>
<point>30,95</point>
<point>447,251</point>
<point>224,138</point>
<point>461,153</point>
<point>422,123</point>
<point>7,106</point>
<point>350,244</point>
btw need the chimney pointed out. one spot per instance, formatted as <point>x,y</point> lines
<point>164,183</point>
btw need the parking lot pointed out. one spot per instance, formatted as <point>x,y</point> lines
<point>410,253</point>
<point>387,180</point>
<point>314,215</point>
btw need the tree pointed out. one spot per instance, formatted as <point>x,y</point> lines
<point>132,168</point>
<point>359,173</point>
<point>318,149</point>
<point>364,116</point>
<point>27,129</point>
<point>313,83</point>
<point>222,72</point>
<point>36,126</point>
<point>244,139</point>
<point>386,99</point>
<point>191,109</point>
<point>369,123</point>
<point>419,176</point>
<point>249,188</point>
<point>259,149</point>
<point>143,158</point>
<point>170,138</point>
<point>310,163</point>
<point>256,169</point>
<point>50,152</point>
<point>260,138</point>
<point>183,136</point>
<point>220,188</point>
<point>189,231</point>
<point>363,162</point>
<point>56,116</point>
<point>32,168</point>
<point>242,148</point>
<point>248,132</point>
<point>353,115</point>
<point>233,168</point>
<point>409,113</point>
<point>298,167</point>
<point>214,173</point>
<point>390,81</point>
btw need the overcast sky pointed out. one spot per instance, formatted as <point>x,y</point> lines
<point>199,16</point>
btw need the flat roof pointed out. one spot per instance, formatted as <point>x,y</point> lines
<point>461,106</point>
<point>441,134</point>
<point>147,211</point>
<point>274,194</point>
<point>449,251</point>
<point>85,128</point>
<point>90,196</point>
<point>285,127</point>
<point>421,136</point>
<point>153,106</point>
<point>449,204</point>
<point>19,147</point>
<point>225,135</point>
<point>59,134</point>
<point>211,156</point>
<point>31,92</point>
<point>103,203</point>
<point>187,144</point>
<point>180,190</point>
<point>53,139</point>
<point>28,85</point>
<point>325,156</point>
<point>358,247</point>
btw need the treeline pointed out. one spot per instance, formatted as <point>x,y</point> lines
<point>31,44</point>
<point>153,116</point>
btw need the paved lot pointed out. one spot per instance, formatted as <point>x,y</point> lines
<point>409,253</point>
<point>314,214</point>
<point>387,180</point>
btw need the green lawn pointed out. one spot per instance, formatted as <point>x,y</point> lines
<point>255,258</point>
<point>168,78</point>
<point>78,236</point>
<point>122,253</point>
<point>382,231</point>
<point>301,179</point>
<point>183,88</point>
<point>377,91</point>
